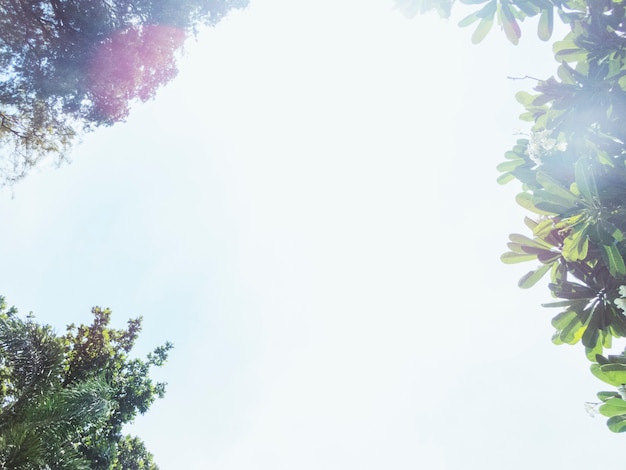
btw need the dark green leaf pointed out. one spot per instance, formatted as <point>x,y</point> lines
<point>614,260</point>
<point>617,423</point>
<point>603,396</point>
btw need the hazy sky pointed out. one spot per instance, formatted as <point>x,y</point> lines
<point>309,213</point>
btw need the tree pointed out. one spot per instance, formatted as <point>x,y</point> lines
<point>64,399</point>
<point>132,455</point>
<point>572,167</point>
<point>69,66</point>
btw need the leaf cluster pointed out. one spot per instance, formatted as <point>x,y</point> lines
<point>572,169</point>
<point>71,66</point>
<point>64,399</point>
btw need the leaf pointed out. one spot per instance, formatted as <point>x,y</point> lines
<point>505,178</point>
<point>569,327</point>
<point>511,155</point>
<point>543,200</point>
<point>513,258</point>
<point>546,23</point>
<point>604,396</point>
<point>524,240</point>
<point>509,23</point>
<point>617,423</point>
<point>613,407</point>
<point>568,51</point>
<point>560,303</point>
<point>525,98</point>
<point>576,245</point>
<point>586,182</point>
<point>510,165</point>
<point>468,20</point>
<point>525,200</point>
<point>530,223</point>
<point>615,233</point>
<point>614,260</point>
<point>613,374</point>
<point>531,278</point>
<point>572,291</point>
<point>554,187</point>
<point>482,30</point>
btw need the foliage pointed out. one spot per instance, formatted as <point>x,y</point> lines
<point>132,455</point>
<point>64,399</point>
<point>71,66</point>
<point>572,168</point>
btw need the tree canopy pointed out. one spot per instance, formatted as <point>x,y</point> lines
<point>68,66</point>
<point>572,170</point>
<point>65,399</point>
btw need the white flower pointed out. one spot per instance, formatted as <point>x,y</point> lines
<point>620,302</point>
<point>591,409</point>
<point>541,144</point>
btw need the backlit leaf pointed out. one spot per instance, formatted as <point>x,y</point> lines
<point>546,23</point>
<point>613,407</point>
<point>532,277</point>
<point>482,30</point>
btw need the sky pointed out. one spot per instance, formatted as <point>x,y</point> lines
<point>309,213</point>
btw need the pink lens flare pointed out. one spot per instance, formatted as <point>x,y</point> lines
<point>132,65</point>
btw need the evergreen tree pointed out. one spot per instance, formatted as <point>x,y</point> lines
<point>68,66</point>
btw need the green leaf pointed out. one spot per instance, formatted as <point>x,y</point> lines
<point>543,200</point>
<point>614,260</point>
<point>513,258</point>
<point>617,423</point>
<point>568,51</point>
<point>613,407</point>
<point>468,20</point>
<point>560,303</point>
<point>531,278</point>
<point>509,23</point>
<point>604,396</point>
<point>525,241</point>
<point>482,30</point>
<point>530,223</point>
<point>572,291</point>
<point>613,374</point>
<point>576,245</point>
<point>586,182</point>
<point>570,328</point>
<point>510,165</point>
<point>615,233</point>
<point>525,98</point>
<point>505,178</point>
<point>554,187</point>
<point>546,23</point>
<point>511,155</point>
<point>525,200</point>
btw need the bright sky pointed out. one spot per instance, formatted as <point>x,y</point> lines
<point>309,213</point>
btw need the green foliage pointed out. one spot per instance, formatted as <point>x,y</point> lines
<point>71,66</point>
<point>132,455</point>
<point>64,399</point>
<point>572,170</point>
